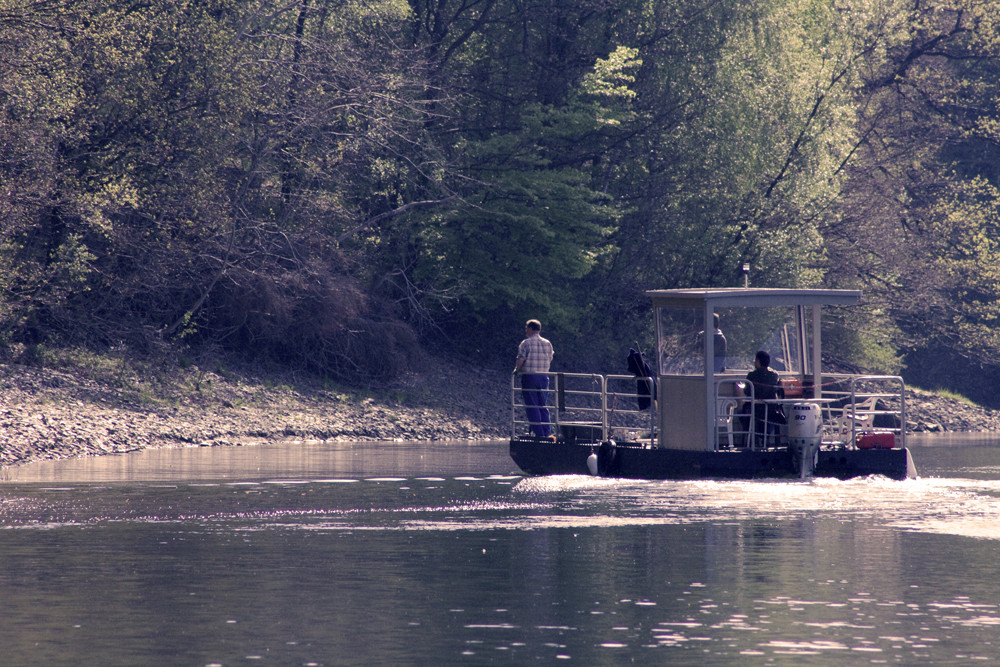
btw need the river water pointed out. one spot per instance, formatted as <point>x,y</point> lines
<point>414,554</point>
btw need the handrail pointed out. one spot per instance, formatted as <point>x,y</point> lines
<point>582,404</point>
<point>865,400</point>
<point>859,404</point>
<point>643,390</point>
<point>590,407</point>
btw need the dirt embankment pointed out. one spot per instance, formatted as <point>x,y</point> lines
<point>48,414</point>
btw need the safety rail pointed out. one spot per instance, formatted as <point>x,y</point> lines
<point>851,406</point>
<point>589,407</point>
<point>737,423</point>
<point>630,406</point>
<point>863,405</point>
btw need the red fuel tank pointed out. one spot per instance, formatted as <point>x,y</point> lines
<point>877,441</point>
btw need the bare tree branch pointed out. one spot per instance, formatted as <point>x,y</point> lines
<point>391,214</point>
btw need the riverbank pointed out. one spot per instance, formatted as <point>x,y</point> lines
<point>58,413</point>
<point>51,413</point>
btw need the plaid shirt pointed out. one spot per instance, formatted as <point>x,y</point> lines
<point>537,354</point>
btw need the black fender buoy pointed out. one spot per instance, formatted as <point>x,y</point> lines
<point>607,459</point>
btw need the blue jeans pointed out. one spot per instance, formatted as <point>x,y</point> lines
<point>533,388</point>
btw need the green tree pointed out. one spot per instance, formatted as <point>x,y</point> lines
<point>913,226</point>
<point>203,169</point>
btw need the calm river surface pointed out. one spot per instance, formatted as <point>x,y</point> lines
<point>414,554</point>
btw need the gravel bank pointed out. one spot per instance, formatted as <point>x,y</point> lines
<point>50,414</point>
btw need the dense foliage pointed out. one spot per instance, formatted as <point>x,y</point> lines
<point>338,185</point>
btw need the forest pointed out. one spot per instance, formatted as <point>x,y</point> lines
<point>344,186</point>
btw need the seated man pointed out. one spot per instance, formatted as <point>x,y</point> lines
<point>766,385</point>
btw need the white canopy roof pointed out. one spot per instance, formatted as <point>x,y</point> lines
<point>752,297</point>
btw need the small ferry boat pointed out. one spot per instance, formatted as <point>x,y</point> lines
<point>698,416</point>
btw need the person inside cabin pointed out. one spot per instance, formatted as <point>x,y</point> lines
<point>766,386</point>
<point>719,349</point>
<point>534,355</point>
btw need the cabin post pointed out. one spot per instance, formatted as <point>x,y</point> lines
<point>709,357</point>
<point>658,405</point>
<point>817,357</point>
<point>804,351</point>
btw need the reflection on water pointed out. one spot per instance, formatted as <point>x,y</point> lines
<point>257,462</point>
<point>322,553</point>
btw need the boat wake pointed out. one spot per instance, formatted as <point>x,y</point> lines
<point>961,507</point>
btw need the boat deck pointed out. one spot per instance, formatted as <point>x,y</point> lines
<point>856,411</point>
<point>684,415</point>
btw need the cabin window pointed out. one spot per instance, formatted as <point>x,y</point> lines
<point>778,330</point>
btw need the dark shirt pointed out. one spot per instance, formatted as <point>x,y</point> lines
<point>765,383</point>
<point>720,351</point>
<point>720,348</point>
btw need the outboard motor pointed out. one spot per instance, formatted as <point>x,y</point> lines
<point>805,433</point>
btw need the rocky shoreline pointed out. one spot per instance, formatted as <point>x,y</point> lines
<point>58,413</point>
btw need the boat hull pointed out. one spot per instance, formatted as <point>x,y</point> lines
<point>560,458</point>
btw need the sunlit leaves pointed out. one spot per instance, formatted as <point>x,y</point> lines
<point>207,164</point>
<point>533,221</point>
<point>968,229</point>
<point>613,77</point>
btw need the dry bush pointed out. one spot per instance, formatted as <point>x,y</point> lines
<point>320,322</point>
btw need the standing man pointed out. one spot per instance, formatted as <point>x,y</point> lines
<point>534,355</point>
<point>720,347</point>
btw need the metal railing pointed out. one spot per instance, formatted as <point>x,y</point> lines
<point>862,405</point>
<point>630,406</point>
<point>589,407</point>
<point>852,406</point>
